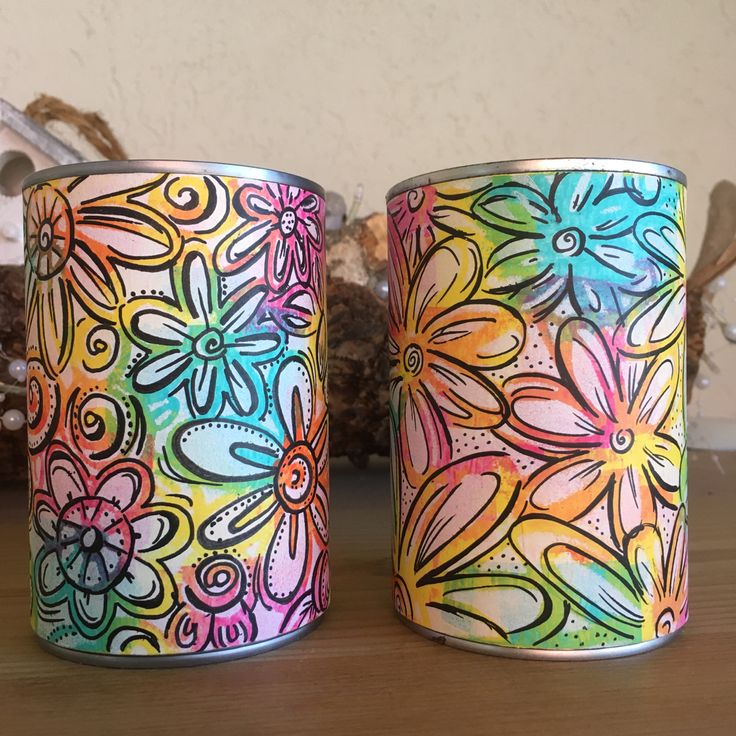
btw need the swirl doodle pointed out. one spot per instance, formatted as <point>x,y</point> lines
<point>44,405</point>
<point>104,426</point>
<point>102,345</point>
<point>197,205</point>
<point>215,610</point>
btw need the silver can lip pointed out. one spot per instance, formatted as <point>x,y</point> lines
<point>534,165</point>
<point>622,650</point>
<point>164,661</point>
<point>146,166</point>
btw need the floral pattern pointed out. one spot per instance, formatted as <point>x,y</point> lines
<point>537,430</point>
<point>570,241</point>
<point>177,412</point>
<point>637,594</point>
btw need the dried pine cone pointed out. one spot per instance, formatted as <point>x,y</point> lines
<point>358,371</point>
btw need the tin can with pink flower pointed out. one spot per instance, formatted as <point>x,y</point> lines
<point>177,424</point>
<point>536,338</point>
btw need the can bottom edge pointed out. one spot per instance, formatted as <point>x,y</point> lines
<point>164,661</point>
<point>624,650</point>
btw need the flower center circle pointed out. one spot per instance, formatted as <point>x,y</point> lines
<point>296,479</point>
<point>45,236</point>
<point>209,345</point>
<point>622,440</point>
<point>569,241</point>
<point>287,221</point>
<point>221,578</point>
<point>49,231</point>
<point>51,261</point>
<point>91,540</point>
<point>94,542</point>
<point>415,199</point>
<point>413,360</point>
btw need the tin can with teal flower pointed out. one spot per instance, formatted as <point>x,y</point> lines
<point>536,338</point>
<point>177,422</point>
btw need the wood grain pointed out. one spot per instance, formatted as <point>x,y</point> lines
<point>362,672</point>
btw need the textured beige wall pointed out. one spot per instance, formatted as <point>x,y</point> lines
<point>373,92</point>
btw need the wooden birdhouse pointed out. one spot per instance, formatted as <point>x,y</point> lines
<point>25,147</point>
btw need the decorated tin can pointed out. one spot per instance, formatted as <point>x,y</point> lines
<point>177,424</point>
<point>536,315</point>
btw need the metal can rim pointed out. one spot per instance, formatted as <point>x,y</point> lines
<point>166,661</point>
<point>534,165</point>
<point>612,652</point>
<point>163,166</point>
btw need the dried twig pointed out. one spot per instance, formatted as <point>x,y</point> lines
<point>90,125</point>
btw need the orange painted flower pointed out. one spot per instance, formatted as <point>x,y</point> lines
<point>284,480</point>
<point>71,251</point>
<point>440,342</point>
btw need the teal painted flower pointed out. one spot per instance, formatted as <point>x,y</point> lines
<point>196,346</point>
<point>572,241</point>
<point>640,593</point>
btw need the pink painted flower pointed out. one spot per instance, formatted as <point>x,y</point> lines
<point>440,342</point>
<point>216,609</point>
<point>281,221</point>
<point>602,419</point>
<point>104,541</point>
<point>410,212</point>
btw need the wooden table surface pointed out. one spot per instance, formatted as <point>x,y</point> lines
<point>362,672</point>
